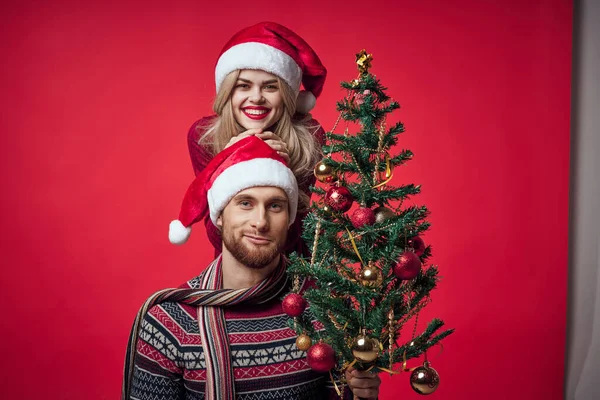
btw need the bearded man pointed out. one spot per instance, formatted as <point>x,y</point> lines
<point>224,335</point>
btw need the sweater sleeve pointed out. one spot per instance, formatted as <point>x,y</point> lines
<point>157,370</point>
<point>200,156</point>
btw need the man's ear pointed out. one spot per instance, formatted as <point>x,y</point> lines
<point>220,221</point>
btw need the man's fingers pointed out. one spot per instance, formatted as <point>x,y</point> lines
<point>365,394</point>
<point>365,383</point>
<point>363,374</point>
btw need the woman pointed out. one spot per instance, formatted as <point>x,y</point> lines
<point>258,77</point>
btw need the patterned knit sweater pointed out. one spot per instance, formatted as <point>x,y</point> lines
<point>169,363</point>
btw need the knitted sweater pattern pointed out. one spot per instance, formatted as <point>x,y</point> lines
<point>169,363</point>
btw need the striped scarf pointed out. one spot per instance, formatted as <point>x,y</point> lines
<point>210,299</point>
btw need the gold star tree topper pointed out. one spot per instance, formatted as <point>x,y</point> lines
<point>363,60</point>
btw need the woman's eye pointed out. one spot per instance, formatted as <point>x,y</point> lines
<point>276,206</point>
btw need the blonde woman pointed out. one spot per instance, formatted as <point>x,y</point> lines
<point>258,77</point>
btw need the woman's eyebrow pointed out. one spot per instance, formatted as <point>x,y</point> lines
<point>264,82</point>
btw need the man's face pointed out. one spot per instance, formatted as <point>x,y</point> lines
<point>254,225</point>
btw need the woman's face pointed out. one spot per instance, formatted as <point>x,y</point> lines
<point>256,99</point>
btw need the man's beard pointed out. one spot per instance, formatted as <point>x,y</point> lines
<point>256,257</point>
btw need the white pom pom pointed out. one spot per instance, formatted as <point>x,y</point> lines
<point>178,234</point>
<point>305,102</point>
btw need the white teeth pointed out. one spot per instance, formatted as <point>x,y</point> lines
<point>255,112</point>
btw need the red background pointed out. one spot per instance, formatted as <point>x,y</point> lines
<point>97,99</point>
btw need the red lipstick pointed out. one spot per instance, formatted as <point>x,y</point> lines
<point>256,112</point>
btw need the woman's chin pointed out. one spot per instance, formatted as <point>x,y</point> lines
<point>248,123</point>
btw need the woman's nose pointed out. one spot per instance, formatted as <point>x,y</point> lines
<point>256,95</point>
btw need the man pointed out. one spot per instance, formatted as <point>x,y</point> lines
<point>224,334</point>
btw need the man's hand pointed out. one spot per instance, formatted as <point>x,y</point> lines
<point>363,384</point>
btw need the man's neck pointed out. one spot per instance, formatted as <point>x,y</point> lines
<point>238,276</point>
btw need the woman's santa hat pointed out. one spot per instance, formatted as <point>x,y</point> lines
<point>273,48</point>
<point>248,163</point>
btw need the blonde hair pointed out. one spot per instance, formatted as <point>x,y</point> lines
<point>298,134</point>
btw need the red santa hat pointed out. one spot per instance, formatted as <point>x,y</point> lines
<point>248,163</point>
<point>273,48</point>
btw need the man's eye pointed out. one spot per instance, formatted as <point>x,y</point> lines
<point>245,203</point>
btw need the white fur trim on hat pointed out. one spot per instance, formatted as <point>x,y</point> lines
<point>305,102</point>
<point>254,55</point>
<point>252,173</point>
<point>179,234</point>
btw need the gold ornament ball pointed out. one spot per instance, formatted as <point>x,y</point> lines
<point>424,379</point>
<point>324,173</point>
<point>382,214</point>
<point>303,342</point>
<point>327,210</point>
<point>370,276</point>
<point>365,349</point>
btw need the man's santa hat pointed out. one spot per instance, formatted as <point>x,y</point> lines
<point>273,48</point>
<point>248,163</point>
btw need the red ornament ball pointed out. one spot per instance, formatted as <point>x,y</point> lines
<point>362,216</point>
<point>321,357</point>
<point>294,305</point>
<point>408,266</point>
<point>339,198</point>
<point>417,244</point>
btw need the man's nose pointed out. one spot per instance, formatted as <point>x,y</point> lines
<point>260,220</point>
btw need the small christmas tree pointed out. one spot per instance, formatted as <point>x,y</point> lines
<point>367,267</point>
